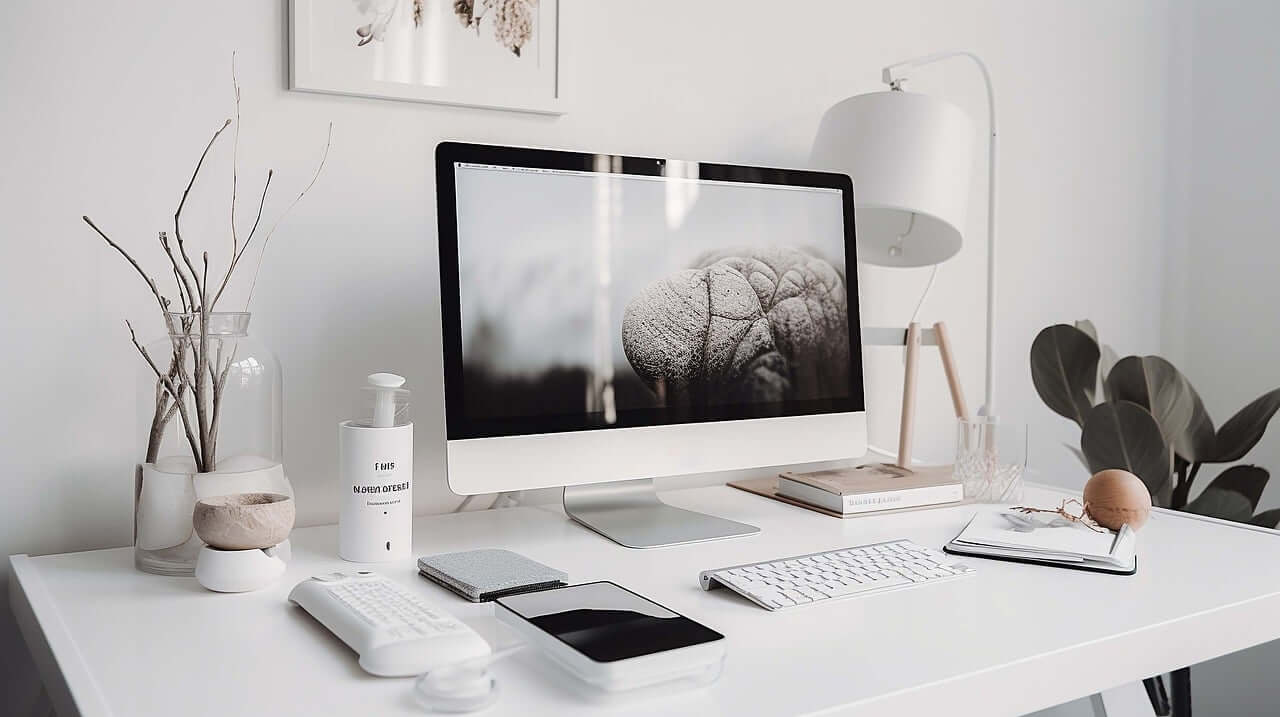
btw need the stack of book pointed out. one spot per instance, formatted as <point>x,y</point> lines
<point>871,488</point>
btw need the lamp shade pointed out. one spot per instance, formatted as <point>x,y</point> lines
<point>911,160</point>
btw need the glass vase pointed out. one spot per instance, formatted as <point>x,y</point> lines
<point>991,459</point>
<point>223,436</point>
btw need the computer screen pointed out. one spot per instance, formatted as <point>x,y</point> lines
<point>598,291</point>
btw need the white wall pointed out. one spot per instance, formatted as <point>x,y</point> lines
<point>1226,295</point>
<point>106,105</point>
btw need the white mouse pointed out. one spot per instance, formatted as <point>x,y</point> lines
<point>457,688</point>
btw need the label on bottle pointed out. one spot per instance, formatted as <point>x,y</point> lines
<point>375,521</point>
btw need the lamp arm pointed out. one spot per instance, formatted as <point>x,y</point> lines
<point>894,75</point>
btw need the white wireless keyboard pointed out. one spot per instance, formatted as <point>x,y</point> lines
<point>787,582</point>
<point>395,633</point>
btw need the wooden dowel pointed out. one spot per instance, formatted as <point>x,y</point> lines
<point>949,367</point>
<point>908,396</point>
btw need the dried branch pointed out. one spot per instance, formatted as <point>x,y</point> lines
<point>235,154</point>
<point>235,257</point>
<point>216,403</point>
<point>219,386</point>
<point>197,384</point>
<point>186,309</point>
<point>327,144</point>
<point>159,411</point>
<point>165,409</point>
<point>191,372</point>
<point>168,416</point>
<point>164,303</point>
<point>177,215</point>
<point>182,249</point>
<point>173,392</point>
<point>217,361</point>
<point>1082,518</point>
<point>183,282</point>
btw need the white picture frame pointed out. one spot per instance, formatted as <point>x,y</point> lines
<point>425,51</point>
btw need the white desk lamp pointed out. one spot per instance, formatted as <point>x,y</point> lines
<point>911,159</point>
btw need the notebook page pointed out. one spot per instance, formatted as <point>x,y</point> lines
<point>992,528</point>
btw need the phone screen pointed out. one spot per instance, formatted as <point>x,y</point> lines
<point>608,623</point>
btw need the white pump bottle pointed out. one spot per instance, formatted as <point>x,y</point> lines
<point>375,458</point>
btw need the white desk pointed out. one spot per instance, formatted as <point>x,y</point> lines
<point>1015,638</point>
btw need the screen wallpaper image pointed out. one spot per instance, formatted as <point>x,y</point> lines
<point>592,295</point>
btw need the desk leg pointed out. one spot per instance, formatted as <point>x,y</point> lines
<point>1124,701</point>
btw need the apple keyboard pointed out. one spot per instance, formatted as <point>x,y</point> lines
<point>395,633</point>
<point>835,574</point>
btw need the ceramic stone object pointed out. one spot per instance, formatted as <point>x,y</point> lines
<point>1115,497</point>
<point>244,521</point>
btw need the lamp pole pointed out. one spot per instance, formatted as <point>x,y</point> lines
<point>894,75</point>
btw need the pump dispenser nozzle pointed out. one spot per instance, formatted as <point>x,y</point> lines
<point>384,398</point>
<point>386,402</point>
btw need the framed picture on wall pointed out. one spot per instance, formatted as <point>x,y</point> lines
<point>496,54</point>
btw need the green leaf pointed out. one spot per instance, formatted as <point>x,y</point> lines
<point>1219,503</point>
<point>1200,440</point>
<point>1106,361</point>
<point>1064,369</point>
<point>1107,357</point>
<point>1243,431</point>
<point>1156,385</point>
<point>1267,518</point>
<point>1124,435</point>
<point>1248,481</point>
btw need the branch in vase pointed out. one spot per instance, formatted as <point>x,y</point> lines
<point>173,392</point>
<point>235,257</point>
<point>158,426</point>
<point>258,269</point>
<point>186,308</point>
<point>164,409</point>
<point>216,402</point>
<point>184,283</point>
<point>182,250</point>
<point>151,284</point>
<point>177,214</point>
<point>219,386</point>
<point>235,158</point>
<point>197,373</point>
<point>156,433</point>
<point>186,343</point>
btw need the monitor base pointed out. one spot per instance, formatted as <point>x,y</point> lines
<point>630,514</point>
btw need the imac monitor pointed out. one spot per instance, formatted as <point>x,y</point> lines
<point>610,319</point>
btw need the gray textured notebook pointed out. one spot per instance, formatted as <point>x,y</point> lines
<point>481,575</point>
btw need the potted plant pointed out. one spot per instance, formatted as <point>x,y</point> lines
<point>213,392</point>
<point>1139,413</point>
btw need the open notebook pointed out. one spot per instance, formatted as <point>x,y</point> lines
<point>1048,540</point>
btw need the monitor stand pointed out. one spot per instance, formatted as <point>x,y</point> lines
<point>630,514</point>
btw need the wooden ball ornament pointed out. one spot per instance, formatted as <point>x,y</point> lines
<point>1115,497</point>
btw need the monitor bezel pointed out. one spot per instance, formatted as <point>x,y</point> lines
<point>459,426</point>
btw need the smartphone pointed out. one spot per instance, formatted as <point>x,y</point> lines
<point>612,637</point>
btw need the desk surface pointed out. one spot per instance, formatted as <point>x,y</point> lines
<point>1013,639</point>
